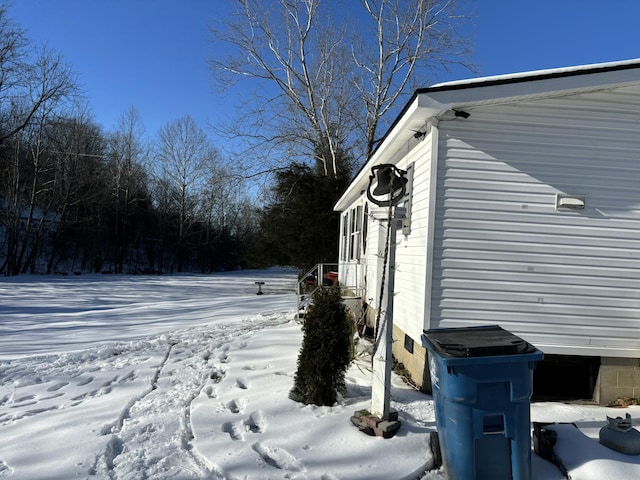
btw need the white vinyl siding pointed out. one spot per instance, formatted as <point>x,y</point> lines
<point>568,281</point>
<point>411,257</point>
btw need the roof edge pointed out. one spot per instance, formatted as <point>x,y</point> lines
<point>533,75</point>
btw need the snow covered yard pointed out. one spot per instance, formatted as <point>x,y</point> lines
<point>175,377</point>
<point>187,377</point>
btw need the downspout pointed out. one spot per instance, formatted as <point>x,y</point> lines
<point>431,221</point>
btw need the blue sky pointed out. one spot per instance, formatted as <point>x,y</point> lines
<point>152,53</point>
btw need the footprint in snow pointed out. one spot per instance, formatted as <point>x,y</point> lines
<point>242,383</point>
<point>108,383</point>
<point>28,404</point>
<point>24,399</point>
<point>57,386</point>
<point>128,377</point>
<point>236,405</point>
<point>224,355</point>
<point>217,375</point>
<point>51,397</point>
<point>210,392</point>
<point>84,381</point>
<point>36,411</point>
<point>256,422</point>
<point>234,429</point>
<point>94,393</point>
<point>5,470</point>
<point>278,457</point>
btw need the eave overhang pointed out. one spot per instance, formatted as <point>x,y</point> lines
<point>441,100</point>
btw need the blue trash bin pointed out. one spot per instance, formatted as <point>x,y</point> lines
<point>482,383</point>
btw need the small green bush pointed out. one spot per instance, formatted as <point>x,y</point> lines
<point>326,350</point>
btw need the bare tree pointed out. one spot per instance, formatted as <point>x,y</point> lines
<point>217,194</point>
<point>184,154</point>
<point>413,38</point>
<point>127,152</point>
<point>27,83</point>
<point>80,182</point>
<point>34,84</point>
<point>325,88</point>
<point>31,112</point>
<point>299,53</point>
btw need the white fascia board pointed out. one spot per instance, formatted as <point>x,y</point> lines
<point>527,75</point>
<point>492,92</point>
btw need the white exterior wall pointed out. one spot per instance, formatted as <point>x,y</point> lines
<point>567,281</point>
<point>411,250</point>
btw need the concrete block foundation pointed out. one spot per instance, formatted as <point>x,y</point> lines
<point>612,379</point>
<point>617,378</point>
<point>413,359</point>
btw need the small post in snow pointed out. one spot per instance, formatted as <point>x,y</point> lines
<point>259,284</point>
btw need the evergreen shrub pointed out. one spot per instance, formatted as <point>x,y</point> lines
<point>326,350</point>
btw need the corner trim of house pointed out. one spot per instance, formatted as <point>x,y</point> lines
<point>431,219</point>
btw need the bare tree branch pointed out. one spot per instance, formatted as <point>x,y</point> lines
<point>28,84</point>
<point>413,38</point>
<point>328,84</point>
<point>295,48</point>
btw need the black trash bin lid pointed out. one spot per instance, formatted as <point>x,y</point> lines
<point>476,342</point>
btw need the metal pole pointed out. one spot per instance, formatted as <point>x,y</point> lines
<point>382,357</point>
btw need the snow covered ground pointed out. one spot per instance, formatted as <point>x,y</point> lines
<point>187,377</point>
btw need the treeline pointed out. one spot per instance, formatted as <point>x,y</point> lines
<point>77,199</point>
<point>74,199</point>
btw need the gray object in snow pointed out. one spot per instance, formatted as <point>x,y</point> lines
<point>619,435</point>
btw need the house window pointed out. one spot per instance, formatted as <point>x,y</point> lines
<point>344,238</point>
<point>351,235</point>
<point>356,227</point>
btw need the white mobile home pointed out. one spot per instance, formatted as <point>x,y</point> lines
<point>523,211</point>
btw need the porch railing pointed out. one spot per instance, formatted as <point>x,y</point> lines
<point>321,275</point>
